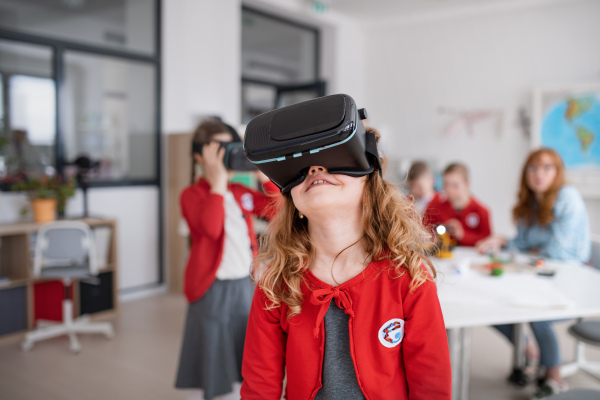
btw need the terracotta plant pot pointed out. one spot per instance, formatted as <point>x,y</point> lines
<point>44,210</point>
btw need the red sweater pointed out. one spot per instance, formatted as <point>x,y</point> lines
<point>416,367</point>
<point>205,215</point>
<point>474,218</point>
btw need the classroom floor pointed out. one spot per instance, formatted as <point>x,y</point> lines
<point>140,362</point>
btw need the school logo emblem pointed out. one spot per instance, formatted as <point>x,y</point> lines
<point>247,202</point>
<point>391,333</point>
<point>472,220</point>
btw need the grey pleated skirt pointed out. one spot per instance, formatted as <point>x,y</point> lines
<point>213,340</point>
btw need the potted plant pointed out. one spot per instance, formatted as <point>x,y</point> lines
<point>47,194</point>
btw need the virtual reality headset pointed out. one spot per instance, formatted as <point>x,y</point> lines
<point>327,131</point>
<point>234,158</point>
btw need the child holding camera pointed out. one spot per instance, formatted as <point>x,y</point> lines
<point>217,282</point>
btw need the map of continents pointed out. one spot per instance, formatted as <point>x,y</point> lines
<point>572,128</point>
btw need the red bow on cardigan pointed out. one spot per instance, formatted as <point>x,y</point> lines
<point>323,298</point>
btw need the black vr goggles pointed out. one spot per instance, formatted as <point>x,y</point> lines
<point>327,131</point>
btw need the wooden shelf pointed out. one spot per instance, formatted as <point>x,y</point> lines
<point>13,283</point>
<point>107,267</point>
<point>21,228</point>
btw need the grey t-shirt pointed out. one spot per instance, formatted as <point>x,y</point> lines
<point>339,377</point>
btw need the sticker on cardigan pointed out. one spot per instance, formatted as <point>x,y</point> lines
<point>391,333</point>
<point>247,202</point>
<point>472,220</point>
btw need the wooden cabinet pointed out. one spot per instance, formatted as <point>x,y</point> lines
<point>179,176</point>
<point>18,285</point>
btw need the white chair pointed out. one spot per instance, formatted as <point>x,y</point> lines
<point>586,332</point>
<point>66,250</point>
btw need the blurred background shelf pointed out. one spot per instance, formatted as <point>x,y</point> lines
<point>25,299</point>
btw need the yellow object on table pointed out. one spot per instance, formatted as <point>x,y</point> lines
<point>444,238</point>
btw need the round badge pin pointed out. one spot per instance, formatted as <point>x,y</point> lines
<point>247,202</point>
<point>391,333</point>
<point>472,220</point>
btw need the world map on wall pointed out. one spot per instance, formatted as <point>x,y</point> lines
<point>572,128</point>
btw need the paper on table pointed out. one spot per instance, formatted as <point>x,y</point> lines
<point>515,290</point>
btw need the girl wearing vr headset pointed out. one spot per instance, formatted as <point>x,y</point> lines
<point>217,282</point>
<point>346,302</point>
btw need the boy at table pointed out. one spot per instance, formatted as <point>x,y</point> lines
<point>467,220</point>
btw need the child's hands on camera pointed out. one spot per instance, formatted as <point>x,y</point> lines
<point>214,169</point>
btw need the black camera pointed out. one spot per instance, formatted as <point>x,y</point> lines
<point>234,159</point>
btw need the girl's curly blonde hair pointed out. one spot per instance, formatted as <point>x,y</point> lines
<point>392,227</point>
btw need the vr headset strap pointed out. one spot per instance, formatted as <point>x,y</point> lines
<point>371,148</point>
<point>374,160</point>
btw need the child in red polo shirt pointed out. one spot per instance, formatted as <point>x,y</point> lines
<point>467,220</point>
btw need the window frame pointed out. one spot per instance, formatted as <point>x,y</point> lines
<point>317,82</point>
<point>58,48</point>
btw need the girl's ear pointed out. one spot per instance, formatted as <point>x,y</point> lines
<point>198,158</point>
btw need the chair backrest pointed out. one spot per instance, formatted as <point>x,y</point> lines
<point>595,260</point>
<point>65,244</point>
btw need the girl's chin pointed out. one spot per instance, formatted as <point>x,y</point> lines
<point>540,189</point>
<point>328,206</point>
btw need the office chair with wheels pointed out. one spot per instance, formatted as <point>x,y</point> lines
<point>586,332</point>
<point>66,251</point>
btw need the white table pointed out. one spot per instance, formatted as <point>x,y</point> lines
<point>475,299</point>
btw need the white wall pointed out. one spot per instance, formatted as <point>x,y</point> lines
<point>490,59</point>
<point>201,62</point>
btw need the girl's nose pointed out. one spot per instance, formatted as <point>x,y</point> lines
<point>316,168</point>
